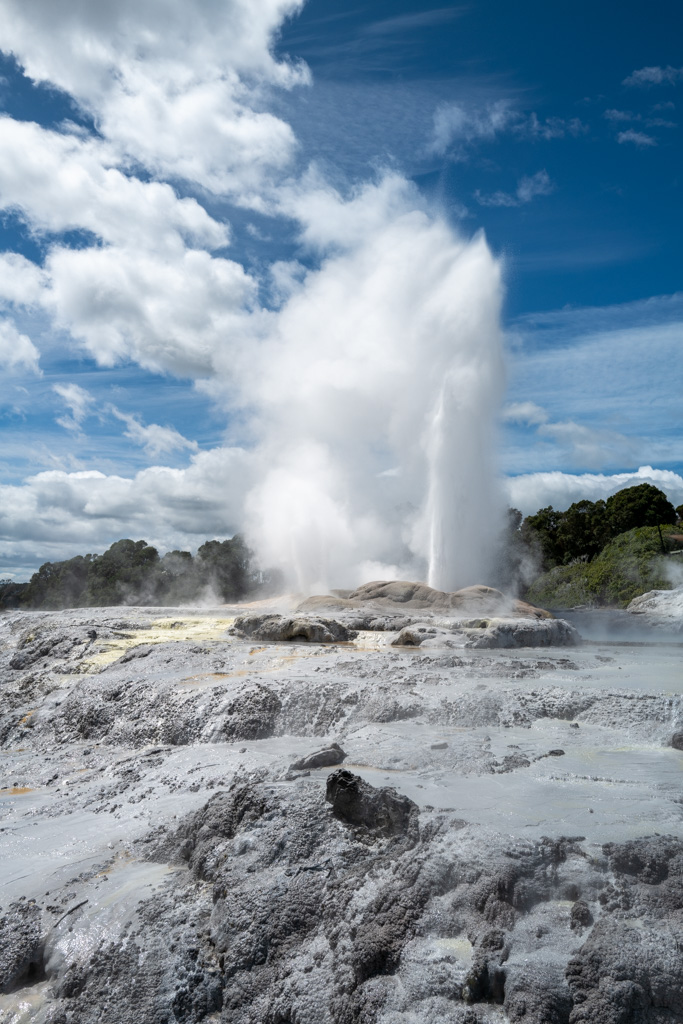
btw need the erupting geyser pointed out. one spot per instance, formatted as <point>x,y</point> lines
<point>376,403</point>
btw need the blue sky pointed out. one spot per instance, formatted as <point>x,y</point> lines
<point>176,177</point>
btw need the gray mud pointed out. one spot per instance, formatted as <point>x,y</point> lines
<point>198,825</point>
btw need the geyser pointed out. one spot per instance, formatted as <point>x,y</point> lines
<point>377,394</point>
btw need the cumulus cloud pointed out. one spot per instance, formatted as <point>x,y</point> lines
<point>528,188</point>
<point>17,351</point>
<point>78,401</point>
<point>61,182</point>
<point>654,76</point>
<point>639,139</point>
<point>153,438</point>
<point>62,514</point>
<point>531,491</point>
<point>21,282</point>
<point>175,314</point>
<point>176,86</point>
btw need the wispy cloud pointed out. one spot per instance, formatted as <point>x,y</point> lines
<point>456,125</point>
<point>410,22</point>
<point>528,188</point>
<point>78,401</point>
<point>153,438</point>
<point>524,413</point>
<point>620,115</point>
<point>549,128</point>
<point>654,76</point>
<point>639,139</point>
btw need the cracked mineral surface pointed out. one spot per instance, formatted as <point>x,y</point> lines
<point>390,817</point>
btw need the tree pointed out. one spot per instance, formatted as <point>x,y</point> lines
<point>583,530</point>
<point>227,565</point>
<point>125,572</point>
<point>540,534</point>
<point>642,505</point>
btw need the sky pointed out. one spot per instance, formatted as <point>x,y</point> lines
<point>198,197</point>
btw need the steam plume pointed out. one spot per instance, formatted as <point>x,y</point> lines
<point>376,397</point>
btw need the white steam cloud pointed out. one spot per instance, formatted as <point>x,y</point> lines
<point>376,398</point>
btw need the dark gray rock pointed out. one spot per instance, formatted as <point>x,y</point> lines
<point>379,810</point>
<point>21,951</point>
<point>320,759</point>
<point>677,740</point>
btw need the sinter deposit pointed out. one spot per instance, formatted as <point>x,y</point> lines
<point>392,805</point>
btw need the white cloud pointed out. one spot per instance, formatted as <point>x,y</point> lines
<point>532,491</point>
<point>61,182</point>
<point>21,281</point>
<point>155,439</point>
<point>177,314</point>
<point>59,514</point>
<point>527,413</point>
<point>528,188</point>
<point>176,86</point>
<point>16,349</point>
<point>620,115</point>
<point>456,126</point>
<point>583,445</point>
<point>639,139</point>
<point>654,76</point>
<point>79,403</point>
<point>549,128</point>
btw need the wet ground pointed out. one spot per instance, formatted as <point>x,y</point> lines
<point>126,732</point>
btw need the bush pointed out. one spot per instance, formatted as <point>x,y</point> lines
<point>629,565</point>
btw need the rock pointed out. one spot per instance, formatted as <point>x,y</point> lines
<point>677,740</point>
<point>580,916</point>
<point>320,759</point>
<point>661,609</point>
<point>302,628</point>
<point>387,593</point>
<point>512,633</point>
<point>379,810</point>
<point>413,636</point>
<point>438,746</point>
<point>21,955</point>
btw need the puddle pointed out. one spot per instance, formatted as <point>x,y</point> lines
<point>24,1005</point>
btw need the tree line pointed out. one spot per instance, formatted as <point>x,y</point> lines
<point>583,530</point>
<point>131,572</point>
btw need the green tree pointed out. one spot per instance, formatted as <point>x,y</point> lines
<point>642,505</point>
<point>124,573</point>
<point>583,531</point>
<point>227,566</point>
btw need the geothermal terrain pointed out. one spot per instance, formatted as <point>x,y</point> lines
<point>385,807</point>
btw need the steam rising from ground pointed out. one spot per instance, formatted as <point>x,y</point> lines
<point>375,405</point>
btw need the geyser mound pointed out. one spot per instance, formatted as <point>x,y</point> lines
<point>376,402</point>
